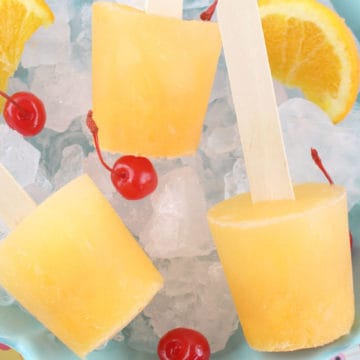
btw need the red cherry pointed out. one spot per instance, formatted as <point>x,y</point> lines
<point>4,347</point>
<point>183,344</point>
<point>24,112</point>
<point>134,177</point>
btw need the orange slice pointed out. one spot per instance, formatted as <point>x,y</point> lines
<point>18,21</point>
<point>310,47</point>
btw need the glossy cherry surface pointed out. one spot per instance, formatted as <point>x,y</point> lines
<point>24,112</point>
<point>134,177</point>
<point>4,347</point>
<point>183,344</point>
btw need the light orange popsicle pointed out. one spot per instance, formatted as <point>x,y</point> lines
<point>152,78</point>
<point>284,249</point>
<point>288,265</point>
<point>74,265</point>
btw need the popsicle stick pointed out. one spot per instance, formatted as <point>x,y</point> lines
<point>254,100</point>
<point>171,8</point>
<point>15,203</point>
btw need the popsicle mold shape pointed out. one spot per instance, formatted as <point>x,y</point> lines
<point>288,266</point>
<point>152,78</point>
<point>74,265</point>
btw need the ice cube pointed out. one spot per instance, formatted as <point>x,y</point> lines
<point>71,166</point>
<point>305,126</point>
<point>48,46</point>
<point>140,335</point>
<point>65,92</point>
<point>80,25</point>
<point>41,188</point>
<point>178,225</point>
<point>15,85</point>
<point>18,156</point>
<point>236,180</point>
<point>222,140</point>
<point>100,175</point>
<point>52,144</point>
<point>134,213</point>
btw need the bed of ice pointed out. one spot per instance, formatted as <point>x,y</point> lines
<point>170,224</point>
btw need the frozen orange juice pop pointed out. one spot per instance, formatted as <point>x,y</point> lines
<point>73,264</point>
<point>285,250</point>
<point>152,77</point>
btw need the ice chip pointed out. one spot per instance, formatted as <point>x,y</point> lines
<point>80,25</point>
<point>18,156</point>
<point>222,140</point>
<point>194,288</point>
<point>140,335</point>
<point>65,92</point>
<point>134,213</point>
<point>178,226</point>
<point>71,166</point>
<point>306,126</point>
<point>100,175</point>
<point>236,181</point>
<point>41,188</point>
<point>52,144</point>
<point>48,46</point>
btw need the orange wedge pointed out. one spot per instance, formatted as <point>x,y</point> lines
<point>19,19</point>
<point>310,47</point>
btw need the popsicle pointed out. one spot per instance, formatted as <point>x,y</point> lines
<point>152,78</point>
<point>284,249</point>
<point>74,265</point>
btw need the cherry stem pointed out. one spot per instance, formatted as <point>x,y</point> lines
<point>90,122</point>
<point>209,12</point>
<point>8,98</point>
<point>318,162</point>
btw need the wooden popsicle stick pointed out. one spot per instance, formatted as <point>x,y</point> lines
<point>171,8</point>
<point>15,203</point>
<point>254,100</point>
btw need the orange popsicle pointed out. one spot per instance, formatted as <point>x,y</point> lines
<point>152,78</point>
<point>288,265</point>
<point>285,249</point>
<point>73,264</point>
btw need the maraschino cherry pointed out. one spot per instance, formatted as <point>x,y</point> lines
<point>183,344</point>
<point>24,112</point>
<point>4,347</point>
<point>134,177</point>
